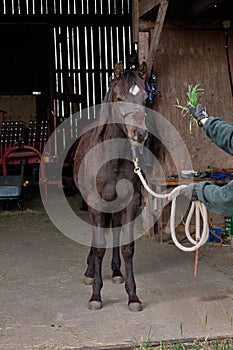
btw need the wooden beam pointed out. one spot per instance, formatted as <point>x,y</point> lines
<point>145,6</point>
<point>156,33</point>
<point>145,26</point>
<point>143,46</point>
<point>135,21</point>
<point>199,6</point>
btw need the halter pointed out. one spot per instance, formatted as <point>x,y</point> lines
<point>134,111</point>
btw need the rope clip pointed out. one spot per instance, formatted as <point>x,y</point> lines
<point>136,166</point>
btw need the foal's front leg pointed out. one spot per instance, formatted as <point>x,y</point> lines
<point>98,250</point>
<point>128,253</point>
<point>133,301</point>
<point>117,277</point>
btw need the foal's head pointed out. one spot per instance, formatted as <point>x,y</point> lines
<point>127,90</point>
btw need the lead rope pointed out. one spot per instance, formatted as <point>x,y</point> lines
<point>196,206</point>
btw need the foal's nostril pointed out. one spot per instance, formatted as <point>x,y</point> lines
<point>140,134</point>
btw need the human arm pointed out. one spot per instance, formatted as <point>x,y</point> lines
<point>220,132</point>
<point>218,200</point>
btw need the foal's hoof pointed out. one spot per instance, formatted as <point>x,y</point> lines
<point>118,279</point>
<point>135,307</point>
<point>88,280</point>
<point>94,305</point>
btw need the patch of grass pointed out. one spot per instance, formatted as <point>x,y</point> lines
<point>45,346</point>
<point>225,344</point>
<point>193,94</point>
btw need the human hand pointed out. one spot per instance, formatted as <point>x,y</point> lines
<point>189,192</point>
<point>198,113</point>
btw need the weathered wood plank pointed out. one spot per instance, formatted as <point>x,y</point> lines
<point>156,32</point>
<point>143,46</point>
<point>146,6</point>
<point>145,26</point>
<point>198,6</point>
<point>135,21</point>
<point>188,57</point>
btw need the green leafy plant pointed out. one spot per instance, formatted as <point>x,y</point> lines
<point>221,344</point>
<point>193,94</point>
<point>206,320</point>
<point>181,329</point>
<point>144,345</point>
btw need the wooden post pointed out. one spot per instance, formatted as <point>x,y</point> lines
<point>135,21</point>
<point>156,33</point>
<point>143,46</point>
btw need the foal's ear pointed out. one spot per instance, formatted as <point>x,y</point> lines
<point>118,70</point>
<point>142,70</point>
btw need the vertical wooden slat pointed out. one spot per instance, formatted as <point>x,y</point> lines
<point>110,7</point>
<point>45,6</point>
<point>5,6</point>
<point>115,46</point>
<point>14,7</point>
<point>82,63</point>
<point>135,21</point>
<point>117,9</point>
<point>87,54</point>
<point>93,75</point>
<point>98,7</point>
<point>97,64</point>
<point>102,61</point>
<point>128,6</point>
<point>156,32</point>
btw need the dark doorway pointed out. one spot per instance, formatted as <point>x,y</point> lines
<point>24,63</point>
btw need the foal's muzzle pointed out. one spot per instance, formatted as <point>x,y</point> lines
<point>136,126</point>
<point>139,135</point>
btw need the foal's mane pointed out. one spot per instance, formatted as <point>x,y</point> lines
<point>125,82</point>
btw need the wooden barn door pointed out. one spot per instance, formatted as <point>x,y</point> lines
<point>86,51</point>
<point>85,38</point>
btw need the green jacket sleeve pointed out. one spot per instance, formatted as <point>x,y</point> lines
<point>218,199</point>
<point>220,133</point>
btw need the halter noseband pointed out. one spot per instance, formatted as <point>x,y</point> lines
<point>134,111</point>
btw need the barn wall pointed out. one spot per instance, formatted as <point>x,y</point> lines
<point>17,108</point>
<point>189,57</point>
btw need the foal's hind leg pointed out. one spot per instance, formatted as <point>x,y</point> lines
<point>117,277</point>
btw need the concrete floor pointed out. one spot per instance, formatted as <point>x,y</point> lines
<point>44,300</point>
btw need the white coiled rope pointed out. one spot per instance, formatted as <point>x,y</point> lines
<point>196,206</point>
